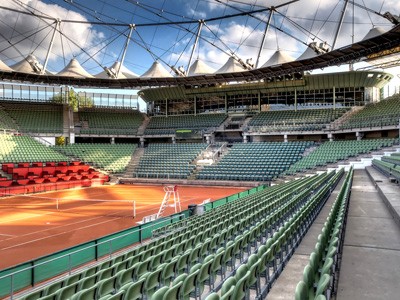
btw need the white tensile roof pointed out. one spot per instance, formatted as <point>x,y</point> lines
<point>156,70</point>
<point>200,68</point>
<point>74,69</point>
<point>4,67</point>
<point>231,66</point>
<point>25,65</point>
<point>123,73</point>
<point>374,32</point>
<point>309,53</point>
<point>279,57</point>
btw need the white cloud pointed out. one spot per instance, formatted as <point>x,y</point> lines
<point>198,14</point>
<point>19,26</point>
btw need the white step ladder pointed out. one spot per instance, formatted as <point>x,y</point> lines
<point>170,191</point>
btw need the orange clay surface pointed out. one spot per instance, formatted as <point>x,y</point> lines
<point>31,227</point>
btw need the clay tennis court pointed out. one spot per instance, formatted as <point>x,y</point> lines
<point>32,226</point>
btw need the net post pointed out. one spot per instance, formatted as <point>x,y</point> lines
<point>134,208</point>
<point>57,200</point>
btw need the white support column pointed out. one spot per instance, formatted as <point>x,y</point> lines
<point>285,138</point>
<point>142,142</point>
<point>196,41</point>
<point>173,140</point>
<point>340,24</point>
<point>245,138</point>
<point>334,98</point>
<point>330,137</point>
<point>131,27</point>
<point>271,11</point>
<point>112,140</point>
<point>72,137</point>
<point>57,23</point>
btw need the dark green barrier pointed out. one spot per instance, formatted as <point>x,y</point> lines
<point>219,202</point>
<point>243,194</point>
<point>18,281</point>
<point>117,241</point>
<point>233,197</point>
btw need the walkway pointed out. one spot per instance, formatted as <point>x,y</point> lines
<point>371,253</point>
<point>285,285</point>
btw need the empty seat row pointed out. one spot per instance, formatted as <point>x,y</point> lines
<point>331,152</point>
<point>255,161</point>
<point>117,121</point>
<point>18,148</point>
<point>33,117</point>
<point>389,165</point>
<point>383,113</point>
<point>113,158</point>
<point>168,160</point>
<point>263,267</point>
<point>320,274</point>
<point>291,120</point>
<point>168,125</point>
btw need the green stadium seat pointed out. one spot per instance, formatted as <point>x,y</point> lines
<point>134,290</point>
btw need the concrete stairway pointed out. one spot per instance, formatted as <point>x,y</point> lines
<point>224,124</point>
<point>336,124</point>
<point>198,168</point>
<point>142,127</point>
<point>135,158</point>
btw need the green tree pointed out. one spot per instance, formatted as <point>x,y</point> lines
<point>74,100</point>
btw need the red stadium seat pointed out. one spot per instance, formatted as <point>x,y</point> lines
<point>6,183</point>
<point>22,181</point>
<point>39,180</point>
<point>5,167</point>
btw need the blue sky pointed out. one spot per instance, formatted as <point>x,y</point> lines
<point>96,46</point>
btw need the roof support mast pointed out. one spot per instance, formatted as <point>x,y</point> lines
<point>340,23</point>
<point>57,24</point>
<point>131,27</point>
<point>196,41</point>
<point>271,11</point>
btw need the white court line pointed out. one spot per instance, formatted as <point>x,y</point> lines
<point>46,237</point>
<point>7,234</point>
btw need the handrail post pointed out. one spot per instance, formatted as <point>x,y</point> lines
<point>12,287</point>
<point>70,264</point>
